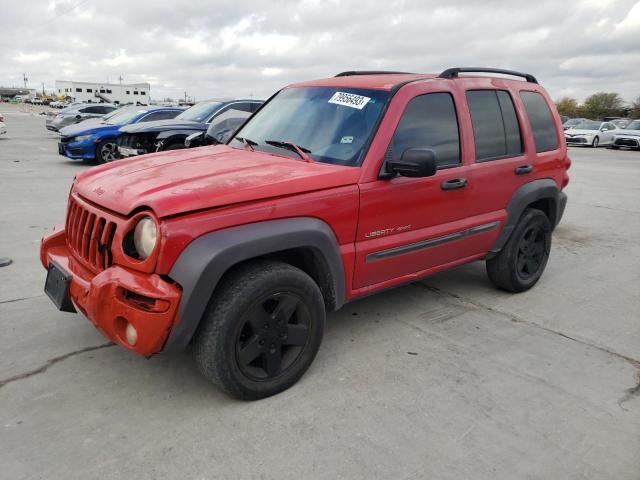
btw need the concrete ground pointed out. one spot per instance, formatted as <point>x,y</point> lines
<point>446,378</point>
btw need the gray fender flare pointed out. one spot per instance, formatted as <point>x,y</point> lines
<point>202,263</point>
<point>527,194</point>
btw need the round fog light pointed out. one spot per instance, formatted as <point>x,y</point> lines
<point>132,334</point>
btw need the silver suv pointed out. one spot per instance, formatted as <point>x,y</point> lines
<point>76,113</point>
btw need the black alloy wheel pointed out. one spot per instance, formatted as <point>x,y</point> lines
<point>531,251</point>
<point>272,336</point>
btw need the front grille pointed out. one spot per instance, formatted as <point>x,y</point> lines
<point>626,142</point>
<point>576,140</point>
<point>89,236</point>
<point>66,139</point>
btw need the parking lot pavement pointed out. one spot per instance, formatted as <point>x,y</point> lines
<point>445,378</point>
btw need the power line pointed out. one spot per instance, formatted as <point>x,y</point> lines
<point>79,4</point>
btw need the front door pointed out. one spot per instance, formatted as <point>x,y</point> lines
<point>409,226</point>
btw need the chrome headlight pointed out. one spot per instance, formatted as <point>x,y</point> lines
<point>82,138</point>
<point>145,237</point>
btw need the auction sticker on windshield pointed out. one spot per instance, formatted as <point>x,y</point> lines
<point>349,100</point>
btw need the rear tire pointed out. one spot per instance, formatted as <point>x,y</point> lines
<point>519,265</point>
<point>261,330</point>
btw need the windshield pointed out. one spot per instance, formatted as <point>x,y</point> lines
<point>329,124</point>
<point>123,117</point>
<point>573,121</point>
<point>200,112</point>
<point>635,125</point>
<point>588,125</point>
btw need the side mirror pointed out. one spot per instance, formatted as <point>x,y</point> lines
<point>193,140</point>
<point>414,162</point>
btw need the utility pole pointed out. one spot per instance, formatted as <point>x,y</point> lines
<point>185,97</point>
<point>24,77</point>
<point>120,78</point>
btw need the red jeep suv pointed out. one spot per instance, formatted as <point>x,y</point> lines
<point>334,189</point>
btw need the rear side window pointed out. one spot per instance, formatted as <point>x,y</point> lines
<point>429,121</point>
<point>541,120</point>
<point>495,125</point>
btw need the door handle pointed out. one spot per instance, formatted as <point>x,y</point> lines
<point>523,169</point>
<point>453,184</point>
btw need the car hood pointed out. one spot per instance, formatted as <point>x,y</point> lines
<point>629,133</point>
<point>181,181</point>
<point>163,125</point>
<point>86,128</point>
<point>578,131</point>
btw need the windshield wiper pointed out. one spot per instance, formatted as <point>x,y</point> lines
<point>301,151</point>
<point>247,142</point>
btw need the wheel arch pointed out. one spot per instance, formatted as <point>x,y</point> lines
<point>170,137</point>
<point>306,243</point>
<point>542,194</point>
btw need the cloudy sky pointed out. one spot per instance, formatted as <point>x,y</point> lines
<point>213,48</point>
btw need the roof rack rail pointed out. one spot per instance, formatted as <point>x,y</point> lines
<point>453,72</point>
<point>351,73</point>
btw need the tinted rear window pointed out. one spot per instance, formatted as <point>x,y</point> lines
<point>541,120</point>
<point>495,125</point>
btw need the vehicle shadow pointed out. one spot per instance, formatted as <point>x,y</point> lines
<point>360,323</point>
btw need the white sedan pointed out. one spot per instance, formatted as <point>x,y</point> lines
<point>3,129</point>
<point>590,133</point>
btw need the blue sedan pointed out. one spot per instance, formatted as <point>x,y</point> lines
<point>90,140</point>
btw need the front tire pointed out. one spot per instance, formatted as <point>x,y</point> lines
<point>106,151</point>
<point>595,143</point>
<point>519,265</point>
<point>261,330</point>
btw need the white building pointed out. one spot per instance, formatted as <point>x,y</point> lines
<point>136,93</point>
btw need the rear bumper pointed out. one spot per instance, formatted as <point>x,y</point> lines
<point>117,296</point>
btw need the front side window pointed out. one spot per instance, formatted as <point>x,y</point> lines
<point>541,120</point>
<point>228,121</point>
<point>496,131</point>
<point>429,121</point>
<point>329,124</point>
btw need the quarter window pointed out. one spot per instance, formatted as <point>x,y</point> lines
<point>429,121</point>
<point>78,90</point>
<point>541,120</point>
<point>496,131</point>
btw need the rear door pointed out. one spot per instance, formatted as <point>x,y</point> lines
<point>500,164</point>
